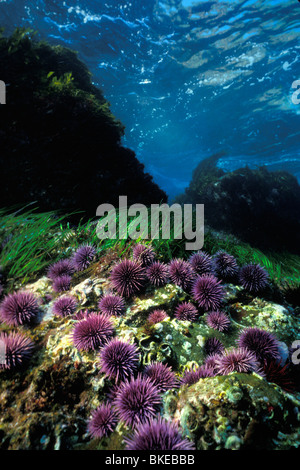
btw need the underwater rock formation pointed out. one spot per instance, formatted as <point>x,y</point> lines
<point>258,206</point>
<point>235,412</point>
<point>60,143</point>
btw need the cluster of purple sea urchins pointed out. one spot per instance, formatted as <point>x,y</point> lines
<point>137,394</point>
<point>201,276</point>
<point>22,308</point>
<point>61,271</point>
<point>137,391</point>
<point>254,351</point>
<point>136,398</point>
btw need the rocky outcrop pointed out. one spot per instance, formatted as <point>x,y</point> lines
<point>236,412</point>
<point>60,144</point>
<point>258,206</point>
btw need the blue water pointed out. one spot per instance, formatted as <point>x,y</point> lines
<point>187,78</point>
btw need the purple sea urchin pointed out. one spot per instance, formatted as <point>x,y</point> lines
<point>262,343</point>
<point>192,376</point>
<point>64,267</point>
<point>186,311</point>
<point>218,321</point>
<point>158,274</point>
<point>83,257</point>
<point>62,283</point>
<point>213,346</point>
<point>253,277</point>
<point>236,360</point>
<point>201,263</point>
<point>82,314</point>
<point>65,306</point>
<point>112,305</point>
<point>211,361</point>
<point>119,360</point>
<point>143,254</point>
<point>128,277</point>
<point>18,349</point>
<point>103,421</point>
<point>181,273</point>
<point>92,332</point>
<point>158,434</point>
<point>19,308</point>
<point>162,376</point>
<point>137,400</point>
<point>208,292</point>
<point>157,316</point>
<point>225,266</point>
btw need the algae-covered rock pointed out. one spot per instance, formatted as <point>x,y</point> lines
<point>238,411</point>
<point>267,315</point>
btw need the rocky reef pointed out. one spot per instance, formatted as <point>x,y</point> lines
<point>206,383</point>
<point>60,143</point>
<point>118,345</point>
<point>259,206</point>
